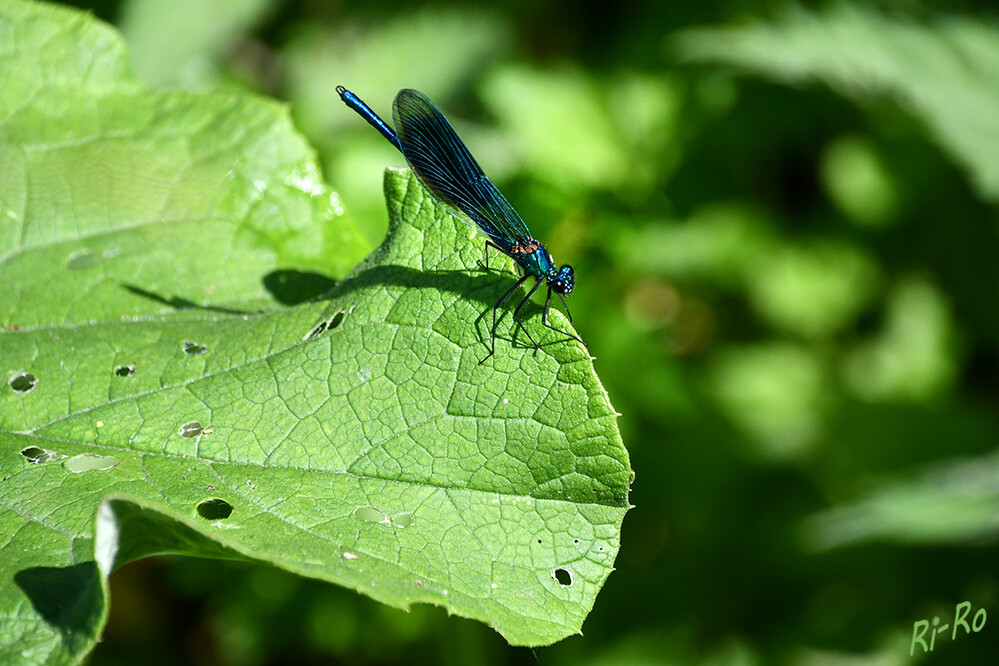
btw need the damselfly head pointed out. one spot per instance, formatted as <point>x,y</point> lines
<point>564,281</point>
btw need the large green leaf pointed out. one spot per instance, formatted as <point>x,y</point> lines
<point>158,400</point>
<point>943,72</point>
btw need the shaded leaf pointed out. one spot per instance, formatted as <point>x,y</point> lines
<point>944,72</point>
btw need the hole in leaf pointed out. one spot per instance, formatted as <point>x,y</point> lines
<point>337,319</point>
<point>81,259</point>
<point>326,325</point>
<point>318,329</point>
<point>214,509</point>
<point>370,514</point>
<point>193,348</point>
<point>37,455</point>
<point>124,370</point>
<point>192,429</point>
<point>24,382</point>
<point>402,520</point>
<point>563,576</point>
<point>89,462</point>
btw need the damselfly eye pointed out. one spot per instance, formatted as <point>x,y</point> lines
<point>563,282</point>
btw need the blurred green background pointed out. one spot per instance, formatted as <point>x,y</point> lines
<point>784,228</point>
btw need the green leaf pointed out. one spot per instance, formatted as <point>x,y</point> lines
<point>180,42</point>
<point>943,72</point>
<point>953,501</point>
<point>137,199</point>
<point>159,401</point>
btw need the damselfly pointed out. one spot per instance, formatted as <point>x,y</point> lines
<point>447,170</point>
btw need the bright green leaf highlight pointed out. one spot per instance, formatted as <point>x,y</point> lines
<point>858,183</point>
<point>774,393</point>
<point>912,357</point>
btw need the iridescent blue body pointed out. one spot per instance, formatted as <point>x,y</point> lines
<point>451,175</point>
